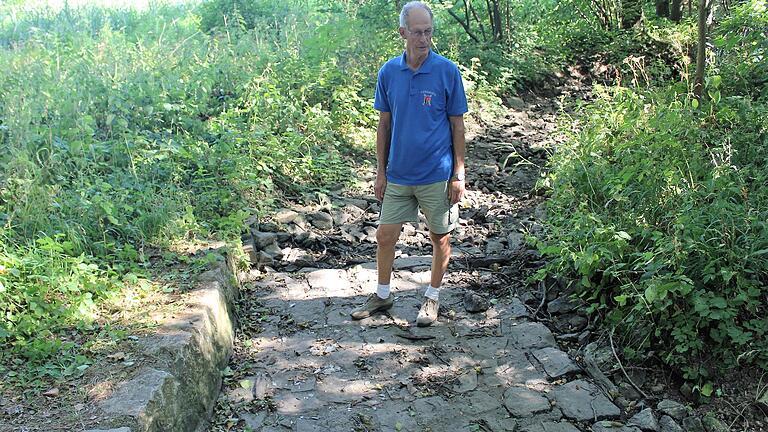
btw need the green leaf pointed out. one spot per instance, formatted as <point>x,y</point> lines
<point>621,299</point>
<point>623,235</point>
<point>246,383</point>
<point>695,103</point>
<point>714,96</point>
<point>650,294</point>
<point>707,389</point>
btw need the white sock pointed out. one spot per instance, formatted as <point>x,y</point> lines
<point>433,293</point>
<point>382,291</point>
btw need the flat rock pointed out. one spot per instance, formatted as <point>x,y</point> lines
<point>321,220</point>
<point>531,335</point>
<point>133,398</point>
<point>411,262</point>
<point>329,283</point>
<point>523,402</point>
<point>555,362</point>
<point>515,240</point>
<point>494,247</point>
<point>122,429</point>
<point>676,410</point>
<point>668,424</point>
<point>481,401</point>
<point>693,424</point>
<point>645,420</point>
<point>713,424</point>
<point>253,421</point>
<point>581,400</point>
<point>474,302</point>
<point>466,382</point>
<point>562,305</point>
<point>263,239</point>
<point>612,426</point>
<point>286,216</point>
<point>550,426</point>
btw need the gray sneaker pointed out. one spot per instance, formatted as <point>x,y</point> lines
<point>427,313</point>
<point>372,304</point>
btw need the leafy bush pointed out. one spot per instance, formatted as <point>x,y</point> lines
<point>264,15</point>
<point>155,133</point>
<point>659,210</point>
<point>741,45</point>
<point>46,291</point>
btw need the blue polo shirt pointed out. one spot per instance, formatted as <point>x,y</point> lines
<point>421,147</point>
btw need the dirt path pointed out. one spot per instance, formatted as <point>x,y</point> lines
<point>302,364</point>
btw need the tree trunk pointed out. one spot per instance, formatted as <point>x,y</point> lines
<point>631,13</point>
<point>701,52</point>
<point>662,8</point>
<point>497,21</point>
<point>676,13</point>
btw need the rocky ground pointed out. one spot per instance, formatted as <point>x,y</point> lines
<point>504,355</point>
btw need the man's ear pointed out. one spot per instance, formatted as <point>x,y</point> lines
<point>402,32</point>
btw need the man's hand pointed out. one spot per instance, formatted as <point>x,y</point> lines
<point>380,186</point>
<point>456,190</point>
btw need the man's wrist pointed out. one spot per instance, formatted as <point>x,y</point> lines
<point>458,176</point>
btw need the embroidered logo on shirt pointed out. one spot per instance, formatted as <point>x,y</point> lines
<point>427,100</point>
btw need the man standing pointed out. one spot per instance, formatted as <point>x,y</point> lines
<point>420,154</point>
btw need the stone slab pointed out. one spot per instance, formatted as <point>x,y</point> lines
<point>178,392</point>
<point>581,400</point>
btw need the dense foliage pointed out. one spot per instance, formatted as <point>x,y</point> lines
<point>659,208</point>
<point>142,129</point>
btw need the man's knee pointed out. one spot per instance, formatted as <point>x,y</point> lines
<point>387,235</point>
<point>441,241</point>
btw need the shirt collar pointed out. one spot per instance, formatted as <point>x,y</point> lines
<point>425,67</point>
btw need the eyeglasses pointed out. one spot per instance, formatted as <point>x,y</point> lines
<point>418,34</point>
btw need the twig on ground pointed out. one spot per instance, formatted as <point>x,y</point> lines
<point>616,356</point>
<point>414,337</point>
<point>543,287</point>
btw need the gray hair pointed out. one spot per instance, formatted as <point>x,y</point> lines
<point>410,6</point>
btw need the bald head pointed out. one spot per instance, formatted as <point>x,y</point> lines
<point>411,7</point>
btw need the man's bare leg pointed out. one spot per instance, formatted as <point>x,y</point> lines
<point>386,240</point>
<point>441,253</point>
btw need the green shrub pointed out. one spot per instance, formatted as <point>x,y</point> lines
<point>46,290</point>
<point>264,15</point>
<point>659,210</point>
<point>742,49</point>
<point>157,133</point>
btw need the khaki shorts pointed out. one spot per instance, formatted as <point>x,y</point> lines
<point>401,204</point>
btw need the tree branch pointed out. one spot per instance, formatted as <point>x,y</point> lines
<point>463,25</point>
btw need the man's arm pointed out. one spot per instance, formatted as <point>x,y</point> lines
<point>383,133</point>
<point>457,187</point>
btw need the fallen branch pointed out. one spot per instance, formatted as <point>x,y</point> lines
<point>414,337</point>
<point>623,370</point>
